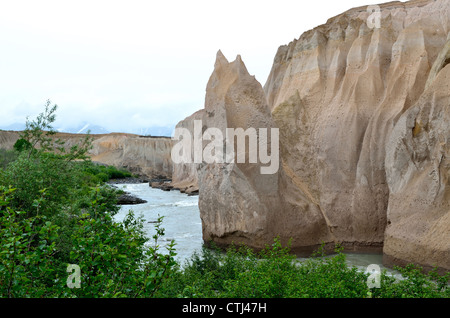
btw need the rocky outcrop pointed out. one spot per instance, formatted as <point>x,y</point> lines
<point>184,175</point>
<point>8,139</point>
<point>362,114</point>
<point>336,94</point>
<point>144,156</point>
<point>129,199</point>
<point>236,201</point>
<point>418,175</point>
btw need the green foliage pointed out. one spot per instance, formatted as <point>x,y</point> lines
<point>274,273</point>
<point>53,213</point>
<point>270,276</point>
<point>22,145</point>
<point>101,173</point>
<point>113,259</point>
<point>38,137</point>
<point>414,284</point>
<point>6,157</point>
<point>112,256</point>
<point>55,210</point>
<point>327,277</point>
<point>47,175</point>
<point>37,132</point>
<point>45,168</point>
<point>27,249</point>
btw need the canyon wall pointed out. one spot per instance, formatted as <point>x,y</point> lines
<point>145,156</point>
<point>418,176</point>
<point>362,113</point>
<point>148,157</point>
<point>184,175</point>
<point>236,200</point>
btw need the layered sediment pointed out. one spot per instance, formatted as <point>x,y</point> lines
<point>148,157</point>
<point>362,113</point>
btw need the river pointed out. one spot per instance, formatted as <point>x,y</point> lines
<point>181,217</point>
<point>182,222</point>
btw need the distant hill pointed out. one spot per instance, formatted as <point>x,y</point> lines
<point>14,127</point>
<point>84,127</point>
<point>153,131</point>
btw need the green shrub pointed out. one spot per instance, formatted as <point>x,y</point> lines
<point>114,260</point>
<point>115,173</point>
<point>414,284</point>
<point>274,273</point>
<point>52,214</point>
<point>22,145</point>
<point>103,177</point>
<point>102,173</point>
<point>26,256</point>
<point>6,157</point>
<point>330,277</point>
<point>112,256</point>
<point>46,175</point>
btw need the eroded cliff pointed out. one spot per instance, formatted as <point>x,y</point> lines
<point>363,119</point>
<point>148,157</point>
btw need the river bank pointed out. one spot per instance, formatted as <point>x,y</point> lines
<point>181,216</point>
<point>183,224</point>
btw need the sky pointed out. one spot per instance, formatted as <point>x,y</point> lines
<point>134,66</point>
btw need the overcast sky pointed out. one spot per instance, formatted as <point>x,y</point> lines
<point>134,64</point>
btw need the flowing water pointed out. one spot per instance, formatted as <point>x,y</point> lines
<point>182,222</point>
<point>181,217</point>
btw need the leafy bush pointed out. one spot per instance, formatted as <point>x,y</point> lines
<point>27,249</point>
<point>115,173</point>
<point>103,177</point>
<point>47,175</point>
<point>101,173</point>
<point>114,260</point>
<point>112,256</point>
<point>44,169</point>
<point>414,284</point>
<point>6,157</point>
<point>22,145</point>
<point>274,273</point>
<point>53,213</point>
<point>330,277</point>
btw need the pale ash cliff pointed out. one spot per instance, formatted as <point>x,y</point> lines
<point>148,157</point>
<point>363,115</point>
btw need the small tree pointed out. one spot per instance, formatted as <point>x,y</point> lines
<point>38,137</point>
<point>44,166</point>
<point>37,132</point>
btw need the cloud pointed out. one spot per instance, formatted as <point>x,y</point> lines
<point>137,63</point>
